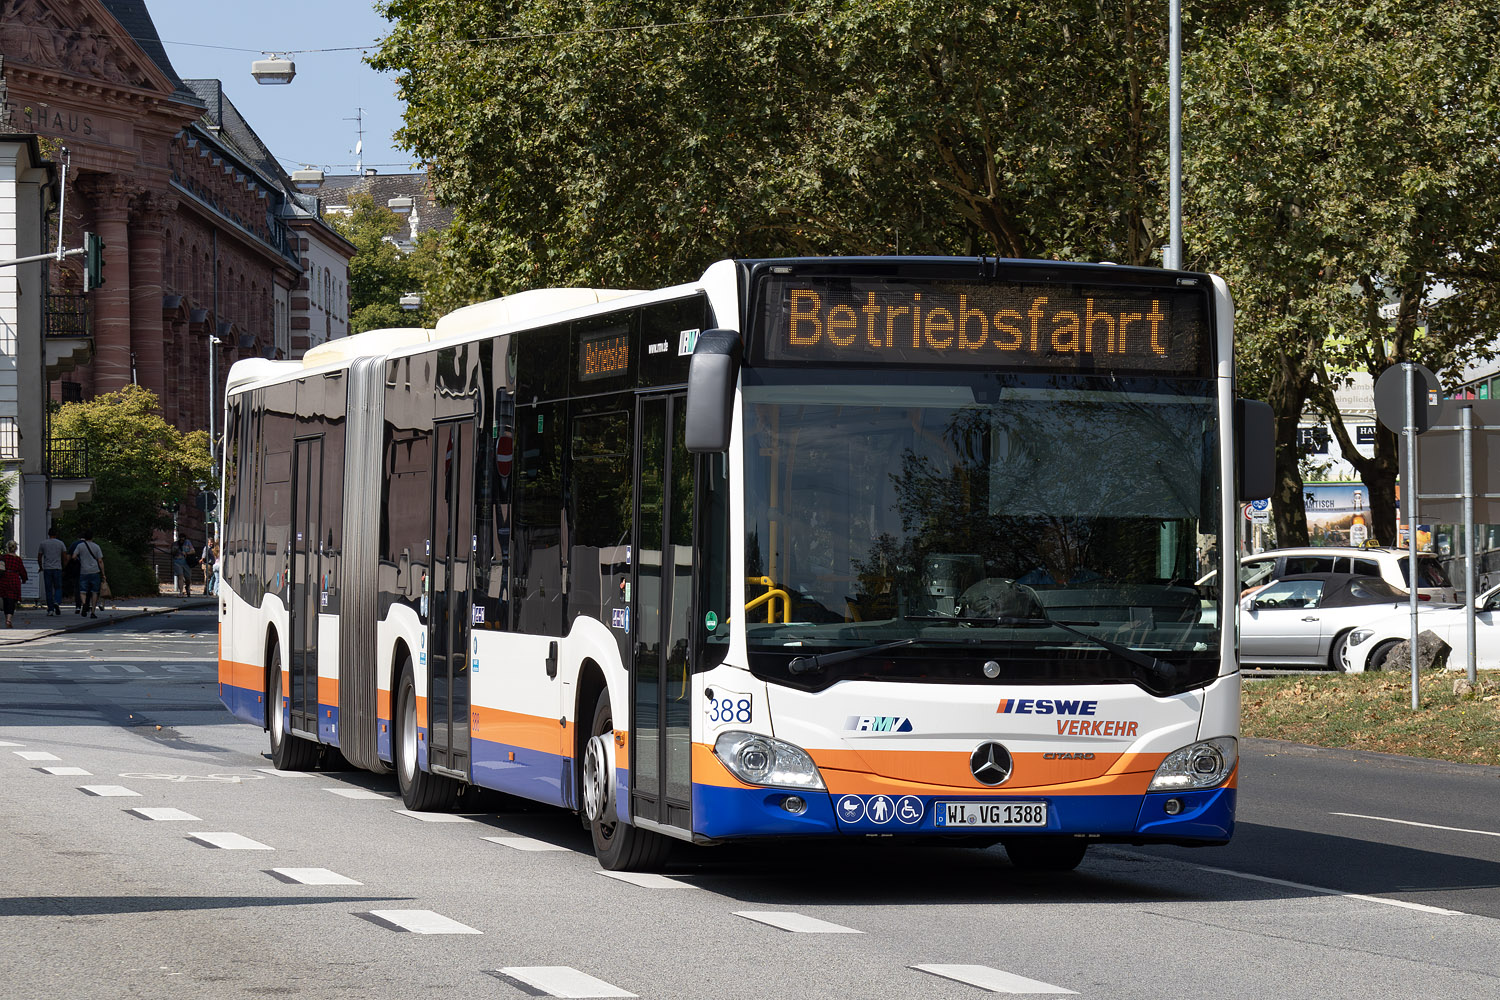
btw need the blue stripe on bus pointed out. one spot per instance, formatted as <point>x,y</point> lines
<point>242,703</point>
<point>533,774</point>
<point>727,813</point>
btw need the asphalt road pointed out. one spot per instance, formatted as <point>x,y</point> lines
<point>180,865</point>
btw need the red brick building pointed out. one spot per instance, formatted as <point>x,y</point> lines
<point>211,253</point>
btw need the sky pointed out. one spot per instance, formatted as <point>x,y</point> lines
<point>308,122</point>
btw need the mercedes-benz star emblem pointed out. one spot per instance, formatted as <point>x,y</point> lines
<point>990,763</point>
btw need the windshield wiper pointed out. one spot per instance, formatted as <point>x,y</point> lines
<point>808,664</point>
<point>1163,670</point>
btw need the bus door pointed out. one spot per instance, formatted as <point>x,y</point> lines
<point>306,585</point>
<point>662,585</point>
<point>450,598</point>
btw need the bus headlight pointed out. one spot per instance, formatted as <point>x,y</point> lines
<point>764,760</point>
<point>1359,635</point>
<point>1201,765</point>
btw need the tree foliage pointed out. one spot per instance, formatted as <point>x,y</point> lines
<point>380,272</point>
<point>142,466</point>
<point>578,147</point>
<point>1340,159</point>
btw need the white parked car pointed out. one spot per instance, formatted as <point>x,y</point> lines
<point>1388,564</point>
<point>1306,620</point>
<point>1371,643</point>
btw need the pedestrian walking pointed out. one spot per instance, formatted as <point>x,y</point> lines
<point>12,575</point>
<point>50,557</point>
<point>211,573</point>
<point>90,559</point>
<point>70,578</point>
<point>179,567</point>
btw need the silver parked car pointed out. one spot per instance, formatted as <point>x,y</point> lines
<point>1305,620</point>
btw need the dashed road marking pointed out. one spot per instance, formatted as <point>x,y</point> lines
<point>101,668</point>
<point>8,743</point>
<point>1429,826</point>
<point>796,922</point>
<point>108,791</point>
<point>129,669</point>
<point>646,880</point>
<point>273,772</point>
<point>428,817</point>
<point>990,979</point>
<point>64,770</point>
<point>35,755</point>
<point>560,981</point>
<point>311,876</point>
<point>228,842</point>
<point>359,793</point>
<point>1423,907</point>
<point>524,844</point>
<point>163,814</point>
<point>417,922</point>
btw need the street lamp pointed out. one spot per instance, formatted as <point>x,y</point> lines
<point>401,205</point>
<point>307,179</point>
<point>411,301</point>
<point>275,70</point>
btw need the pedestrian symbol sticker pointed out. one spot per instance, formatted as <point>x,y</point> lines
<point>851,808</point>
<point>881,809</point>
<point>909,809</point>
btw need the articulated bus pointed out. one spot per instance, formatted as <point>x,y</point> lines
<point>844,547</point>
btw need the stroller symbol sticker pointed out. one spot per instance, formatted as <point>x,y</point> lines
<point>851,808</point>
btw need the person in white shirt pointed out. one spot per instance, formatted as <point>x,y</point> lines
<point>51,556</point>
<point>90,572</point>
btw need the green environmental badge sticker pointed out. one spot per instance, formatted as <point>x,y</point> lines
<point>711,620</point>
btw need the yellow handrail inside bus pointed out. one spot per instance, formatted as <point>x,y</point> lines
<point>772,594</point>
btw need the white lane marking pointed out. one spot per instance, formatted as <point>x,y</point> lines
<point>65,770</point>
<point>795,922</point>
<point>163,813</point>
<point>283,774</point>
<point>524,843</point>
<point>561,981</point>
<point>990,979</point>
<point>35,755</point>
<point>1335,892</point>
<point>108,791</point>
<point>99,668</point>
<point>311,876</point>
<point>8,743</point>
<point>229,842</point>
<point>130,669</point>
<point>427,817</point>
<point>1429,826</point>
<point>647,880</point>
<point>358,793</point>
<point>418,922</point>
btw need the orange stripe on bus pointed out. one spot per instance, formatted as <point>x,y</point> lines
<point>529,732</point>
<point>249,676</point>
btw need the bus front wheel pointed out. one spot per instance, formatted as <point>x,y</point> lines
<point>288,752</point>
<point>619,846</point>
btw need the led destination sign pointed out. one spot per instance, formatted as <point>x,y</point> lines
<point>1059,327</point>
<point>603,356</point>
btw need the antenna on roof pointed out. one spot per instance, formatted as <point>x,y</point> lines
<point>359,147</point>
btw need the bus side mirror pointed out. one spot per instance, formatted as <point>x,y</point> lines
<point>713,371</point>
<point>1255,448</point>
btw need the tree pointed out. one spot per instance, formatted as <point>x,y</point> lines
<point>578,147</point>
<point>1339,160</point>
<point>142,466</point>
<point>380,272</point>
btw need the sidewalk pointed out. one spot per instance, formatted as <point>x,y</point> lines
<point>34,622</point>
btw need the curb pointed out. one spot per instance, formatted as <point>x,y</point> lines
<point>89,624</point>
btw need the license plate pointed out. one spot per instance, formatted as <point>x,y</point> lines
<point>975,815</point>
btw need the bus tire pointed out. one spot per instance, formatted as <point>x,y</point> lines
<point>288,752</point>
<point>420,790</point>
<point>621,847</point>
<point>1380,654</point>
<point>1045,854</point>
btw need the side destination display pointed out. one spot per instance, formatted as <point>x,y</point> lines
<point>1057,327</point>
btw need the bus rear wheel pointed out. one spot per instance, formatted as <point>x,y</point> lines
<point>420,790</point>
<point>619,846</point>
<point>1045,854</point>
<point>288,752</point>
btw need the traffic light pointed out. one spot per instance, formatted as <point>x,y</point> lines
<point>93,261</point>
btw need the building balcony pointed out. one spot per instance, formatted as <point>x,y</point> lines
<point>69,326</point>
<point>68,472</point>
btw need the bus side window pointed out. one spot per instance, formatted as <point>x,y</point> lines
<point>599,515</point>
<point>538,535</point>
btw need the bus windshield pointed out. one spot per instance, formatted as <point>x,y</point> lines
<point>1044,523</point>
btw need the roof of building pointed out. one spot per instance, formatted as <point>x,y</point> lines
<point>136,20</point>
<point>431,215</point>
<point>224,119</point>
